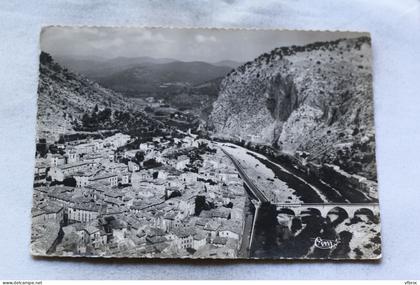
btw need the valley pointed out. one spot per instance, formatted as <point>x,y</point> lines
<point>191,86</point>
<point>157,157</point>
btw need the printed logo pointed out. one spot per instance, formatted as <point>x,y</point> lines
<point>325,243</point>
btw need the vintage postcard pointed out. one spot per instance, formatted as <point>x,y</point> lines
<point>205,143</point>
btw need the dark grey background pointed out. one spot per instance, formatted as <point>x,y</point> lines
<point>394,26</point>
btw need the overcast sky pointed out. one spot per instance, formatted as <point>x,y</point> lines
<point>209,45</point>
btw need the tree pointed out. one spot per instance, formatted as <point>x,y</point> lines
<point>53,149</point>
<point>200,202</point>
<point>85,119</point>
<point>41,149</point>
<point>151,163</point>
<point>139,157</point>
<point>69,181</point>
<point>45,58</point>
<point>296,225</point>
<point>105,115</point>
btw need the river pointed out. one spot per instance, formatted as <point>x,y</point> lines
<point>307,235</point>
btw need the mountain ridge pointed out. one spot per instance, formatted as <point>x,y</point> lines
<point>149,80</point>
<point>64,96</point>
<point>315,98</point>
<point>96,67</point>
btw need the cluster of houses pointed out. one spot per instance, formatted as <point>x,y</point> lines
<point>101,206</point>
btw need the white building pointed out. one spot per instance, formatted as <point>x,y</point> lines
<point>60,172</point>
<point>49,213</point>
<point>229,234</point>
<point>133,167</point>
<point>111,178</point>
<point>56,159</point>
<point>72,156</point>
<point>82,213</point>
<point>183,238</point>
<point>199,240</point>
<point>94,236</point>
<point>124,178</point>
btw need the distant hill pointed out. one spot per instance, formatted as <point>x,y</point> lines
<point>198,99</point>
<point>97,67</point>
<point>191,86</point>
<point>228,63</point>
<point>164,79</point>
<point>94,68</point>
<point>186,85</point>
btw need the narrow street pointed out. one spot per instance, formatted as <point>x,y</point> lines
<point>250,220</point>
<point>57,241</point>
<point>244,250</point>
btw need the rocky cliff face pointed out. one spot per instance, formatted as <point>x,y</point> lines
<point>63,97</point>
<point>315,98</point>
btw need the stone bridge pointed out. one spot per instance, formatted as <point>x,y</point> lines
<point>323,209</point>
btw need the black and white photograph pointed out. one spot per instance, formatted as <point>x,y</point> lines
<point>205,144</point>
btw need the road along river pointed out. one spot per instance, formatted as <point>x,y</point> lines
<point>304,233</point>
